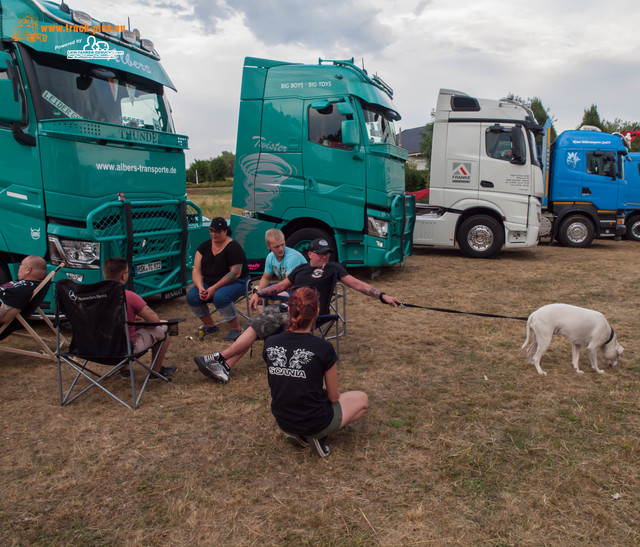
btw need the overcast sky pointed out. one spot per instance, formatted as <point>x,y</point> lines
<point>570,53</point>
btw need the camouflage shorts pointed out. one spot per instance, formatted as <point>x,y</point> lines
<point>269,322</point>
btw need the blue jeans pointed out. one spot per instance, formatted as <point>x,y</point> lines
<point>223,299</point>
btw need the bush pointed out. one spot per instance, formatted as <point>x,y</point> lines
<point>414,180</point>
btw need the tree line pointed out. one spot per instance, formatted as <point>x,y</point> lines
<point>417,180</point>
<point>213,169</point>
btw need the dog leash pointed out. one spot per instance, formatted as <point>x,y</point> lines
<point>445,310</point>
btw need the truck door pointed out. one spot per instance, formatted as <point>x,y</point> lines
<point>22,229</point>
<point>505,170</point>
<point>334,172</point>
<point>460,162</point>
<point>600,184</point>
<point>274,158</point>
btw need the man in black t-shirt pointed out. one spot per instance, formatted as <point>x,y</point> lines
<point>15,295</point>
<point>320,274</point>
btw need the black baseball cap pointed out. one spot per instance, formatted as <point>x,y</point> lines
<point>319,246</point>
<point>218,224</point>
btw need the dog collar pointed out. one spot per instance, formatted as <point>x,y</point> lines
<point>610,337</point>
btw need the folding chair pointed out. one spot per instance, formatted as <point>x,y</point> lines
<point>335,318</point>
<point>23,319</point>
<point>98,317</point>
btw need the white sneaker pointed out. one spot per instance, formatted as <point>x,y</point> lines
<point>213,366</point>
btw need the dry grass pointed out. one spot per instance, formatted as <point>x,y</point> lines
<point>214,202</point>
<point>464,443</point>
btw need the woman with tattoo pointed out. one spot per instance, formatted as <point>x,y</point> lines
<point>220,274</point>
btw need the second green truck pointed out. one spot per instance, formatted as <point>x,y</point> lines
<point>317,157</point>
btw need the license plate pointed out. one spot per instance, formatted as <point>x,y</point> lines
<point>150,267</point>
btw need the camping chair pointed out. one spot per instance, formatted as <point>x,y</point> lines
<point>23,319</point>
<point>98,317</point>
<point>332,324</point>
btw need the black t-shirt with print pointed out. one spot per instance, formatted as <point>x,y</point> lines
<point>16,294</point>
<point>320,279</point>
<point>214,268</point>
<point>296,363</point>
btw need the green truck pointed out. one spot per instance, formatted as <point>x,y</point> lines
<point>90,163</point>
<point>317,157</point>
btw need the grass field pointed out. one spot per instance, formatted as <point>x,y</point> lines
<point>214,202</point>
<point>464,443</point>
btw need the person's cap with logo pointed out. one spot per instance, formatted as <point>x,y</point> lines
<point>319,246</point>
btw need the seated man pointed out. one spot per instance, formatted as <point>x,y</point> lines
<point>319,274</point>
<point>117,269</point>
<point>281,261</point>
<point>15,295</point>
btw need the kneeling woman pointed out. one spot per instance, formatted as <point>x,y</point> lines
<point>298,364</point>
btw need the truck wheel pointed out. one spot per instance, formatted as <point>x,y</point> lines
<point>633,229</point>
<point>480,237</point>
<point>576,231</point>
<point>300,239</point>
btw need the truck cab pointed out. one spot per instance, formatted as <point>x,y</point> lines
<point>90,163</point>
<point>585,191</point>
<point>486,178</point>
<point>317,157</point>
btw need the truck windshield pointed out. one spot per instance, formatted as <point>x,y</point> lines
<point>380,128</point>
<point>75,89</point>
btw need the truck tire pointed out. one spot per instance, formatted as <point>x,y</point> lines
<point>300,239</point>
<point>480,236</point>
<point>576,231</point>
<point>633,229</point>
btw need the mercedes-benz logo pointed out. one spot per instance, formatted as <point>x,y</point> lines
<point>72,296</point>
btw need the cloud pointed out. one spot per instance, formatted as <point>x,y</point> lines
<point>422,5</point>
<point>349,24</point>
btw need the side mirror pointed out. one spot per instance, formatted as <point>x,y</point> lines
<point>518,146</point>
<point>345,109</point>
<point>320,104</point>
<point>350,133</point>
<point>10,109</point>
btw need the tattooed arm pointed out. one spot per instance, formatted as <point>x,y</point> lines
<point>367,289</point>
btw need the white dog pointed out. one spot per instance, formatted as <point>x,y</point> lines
<point>580,326</point>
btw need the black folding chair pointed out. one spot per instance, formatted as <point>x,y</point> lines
<point>23,320</point>
<point>98,317</point>
<point>332,324</point>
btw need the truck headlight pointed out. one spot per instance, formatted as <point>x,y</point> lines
<point>74,253</point>
<point>377,227</point>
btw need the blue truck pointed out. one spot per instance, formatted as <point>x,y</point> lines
<point>585,192</point>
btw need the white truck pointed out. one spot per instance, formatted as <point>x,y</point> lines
<point>486,178</point>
